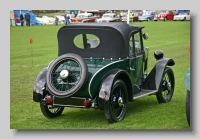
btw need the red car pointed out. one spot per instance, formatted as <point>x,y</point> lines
<point>168,15</point>
<point>84,18</point>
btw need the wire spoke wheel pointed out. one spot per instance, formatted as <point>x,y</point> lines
<point>166,88</point>
<point>117,105</point>
<point>51,112</point>
<point>74,74</point>
<point>66,75</point>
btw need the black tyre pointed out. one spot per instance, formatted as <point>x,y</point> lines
<point>188,107</point>
<point>116,107</point>
<point>166,88</point>
<point>50,112</point>
<point>66,75</point>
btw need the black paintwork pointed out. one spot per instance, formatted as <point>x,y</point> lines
<point>39,85</point>
<point>153,80</point>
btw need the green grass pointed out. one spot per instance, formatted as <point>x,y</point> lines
<point>144,113</point>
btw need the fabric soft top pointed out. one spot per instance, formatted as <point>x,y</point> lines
<point>114,39</point>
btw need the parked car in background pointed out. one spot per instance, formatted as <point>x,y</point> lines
<point>182,16</point>
<point>94,12</point>
<point>102,66</point>
<point>167,15</point>
<point>84,18</point>
<point>109,17</point>
<point>147,16</point>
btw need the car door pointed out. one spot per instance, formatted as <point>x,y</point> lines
<point>170,15</point>
<point>136,60</point>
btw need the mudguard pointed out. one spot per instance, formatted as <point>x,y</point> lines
<point>39,85</point>
<point>152,82</point>
<point>106,86</point>
<point>187,79</point>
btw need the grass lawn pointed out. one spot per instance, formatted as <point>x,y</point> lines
<point>27,60</point>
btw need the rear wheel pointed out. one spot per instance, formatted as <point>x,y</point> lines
<point>166,88</point>
<point>116,107</point>
<point>49,111</point>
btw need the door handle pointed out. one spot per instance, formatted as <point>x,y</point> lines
<point>132,69</point>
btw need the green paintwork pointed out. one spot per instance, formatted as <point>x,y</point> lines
<point>96,70</point>
<point>99,68</point>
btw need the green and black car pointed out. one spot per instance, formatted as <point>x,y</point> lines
<point>103,66</point>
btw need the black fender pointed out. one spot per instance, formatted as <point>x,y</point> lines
<point>107,83</point>
<point>152,81</point>
<point>39,85</point>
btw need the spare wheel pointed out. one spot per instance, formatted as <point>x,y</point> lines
<point>66,75</point>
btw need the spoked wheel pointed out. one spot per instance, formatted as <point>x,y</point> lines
<point>166,88</point>
<point>188,107</point>
<point>116,107</point>
<point>51,112</point>
<point>66,75</point>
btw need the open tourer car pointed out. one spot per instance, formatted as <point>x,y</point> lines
<point>102,66</point>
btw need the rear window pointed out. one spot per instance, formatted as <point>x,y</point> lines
<point>86,41</point>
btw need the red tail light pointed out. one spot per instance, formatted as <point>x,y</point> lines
<point>48,100</point>
<point>86,103</point>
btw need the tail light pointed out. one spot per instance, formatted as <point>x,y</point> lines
<point>86,103</point>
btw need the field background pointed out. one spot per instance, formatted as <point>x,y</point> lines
<point>26,61</point>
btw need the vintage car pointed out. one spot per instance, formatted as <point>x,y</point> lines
<point>146,16</point>
<point>182,16</point>
<point>167,15</point>
<point>84,18</point>
<point>103,66</point>
<point>187,84</point>
<point>109,17</point>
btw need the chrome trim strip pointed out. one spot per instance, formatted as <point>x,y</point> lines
<point>69,106</point>
<point>154,91</point>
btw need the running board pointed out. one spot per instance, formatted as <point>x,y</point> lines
<point>144,93</point>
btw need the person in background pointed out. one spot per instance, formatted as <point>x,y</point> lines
<point>15,17</point>
<point>72,15</point>
<point>22,19</point>
<point>28,18</point>
<point>56,20</point>
<point>67,18</point>
<point>131,16</point>
<point>75,14</point>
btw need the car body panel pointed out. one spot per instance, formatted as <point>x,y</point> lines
<point>39,85</point>
<point>182,16</point>
<point>84,17</point>
<point>109,17</point>
<point>167,15</point>
<point>147,15</point>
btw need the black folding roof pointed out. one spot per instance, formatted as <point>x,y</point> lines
<point>114,39</point>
